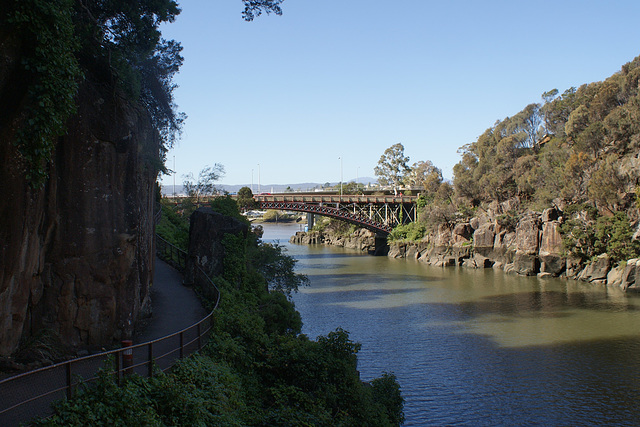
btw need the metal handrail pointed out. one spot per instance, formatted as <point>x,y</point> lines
<point>171,254</point>
<point>30,394</point>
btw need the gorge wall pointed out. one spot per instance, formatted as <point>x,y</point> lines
<point>77,254</point>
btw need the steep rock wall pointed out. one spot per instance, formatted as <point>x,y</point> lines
<point>77,255</point>
<point>534,247</point>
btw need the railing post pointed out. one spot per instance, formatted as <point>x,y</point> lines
<point>199,335</point>
<point>181,345</point>
<point>117,368</point>
<point>127,356</point>
<point>150,361</point>
<point>68,377</point>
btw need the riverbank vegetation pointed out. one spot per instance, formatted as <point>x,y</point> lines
<point>257,369</point>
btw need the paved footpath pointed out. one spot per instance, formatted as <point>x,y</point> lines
<point>174,306</point>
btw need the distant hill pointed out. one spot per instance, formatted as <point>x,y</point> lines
<point>168,190</point>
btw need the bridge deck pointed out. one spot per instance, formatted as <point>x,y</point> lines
<point>334,198</point>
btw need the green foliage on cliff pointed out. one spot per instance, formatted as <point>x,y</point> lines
<point>287,378</point>
<point>408,232</point>
<point>50,67</point>
<point>198,391</point>
<point>173,225</point>
<point>587,234</point>
<point>225,205</point>
<point>60,42</point>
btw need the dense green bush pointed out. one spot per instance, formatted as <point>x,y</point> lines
<point>412,232</point>
<point>588,234</point>
<point>173,225</point>
<point>198,391</point>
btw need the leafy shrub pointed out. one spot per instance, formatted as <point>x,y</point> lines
<point>386,391</point>
<point>589,237</point>
<point>174,226</point>
<point>225,205</point>
<point>412,232</point>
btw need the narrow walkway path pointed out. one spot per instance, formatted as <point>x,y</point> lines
<point>174,306</point>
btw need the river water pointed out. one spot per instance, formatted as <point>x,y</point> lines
<point>478,347</point>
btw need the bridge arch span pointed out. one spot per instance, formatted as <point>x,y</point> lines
<point>333,212</point>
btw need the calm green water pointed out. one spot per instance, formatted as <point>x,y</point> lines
<point>478,347</point>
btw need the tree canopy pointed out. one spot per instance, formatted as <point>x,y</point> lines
<point>573,146</point>
<point>392,166</point>
<point>254,8</point>
<point>245,199</point>
<point>111,41</point>
<point>424,174</point>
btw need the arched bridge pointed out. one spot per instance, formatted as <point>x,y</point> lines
<point>376,213</point>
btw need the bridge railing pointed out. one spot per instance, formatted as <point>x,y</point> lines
<point>30,394</point>
<point>345,198</point>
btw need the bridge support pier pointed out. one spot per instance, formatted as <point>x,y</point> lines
<point>310,221</point>
<point>381,246</point>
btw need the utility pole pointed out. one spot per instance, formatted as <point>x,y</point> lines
<point>174,177</point>
<point>340,158</point>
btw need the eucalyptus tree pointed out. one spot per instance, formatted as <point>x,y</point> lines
<point>392,167</point>
<point>254,8</point>
<point>426,175</point>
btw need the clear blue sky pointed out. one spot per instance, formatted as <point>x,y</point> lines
<point>349,78</point>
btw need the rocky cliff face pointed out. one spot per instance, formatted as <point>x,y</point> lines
<point>77,255</point>
<point>532,247</point>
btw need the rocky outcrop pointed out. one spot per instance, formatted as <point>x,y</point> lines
<point>534,247</point>
<point>362,240</point>
<point>77,255</point>
<point>206,248</point>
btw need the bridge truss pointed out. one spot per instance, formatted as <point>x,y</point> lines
<point>376,213</point>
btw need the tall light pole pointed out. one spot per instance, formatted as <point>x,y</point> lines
<point>340,158</point>
<point>259,189</point>
<point>174,177</point>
